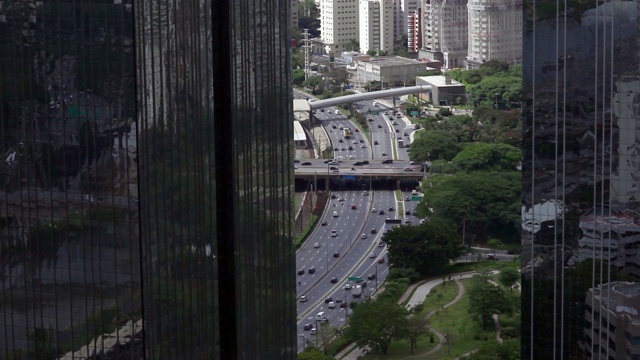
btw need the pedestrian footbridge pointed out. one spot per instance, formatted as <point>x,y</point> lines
<point>318,104</point>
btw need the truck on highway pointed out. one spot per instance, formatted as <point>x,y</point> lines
<point>356,291</point>
<point>400,143</point>
<point>346,132</point>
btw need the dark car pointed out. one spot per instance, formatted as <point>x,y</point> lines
<point>327,161</point>
<point>307,327</point>
<point>359,281</point>
<point>334,280</point>
<point>365,162</point>
<point>405,134</point>
<point>388,161</point>
<point>350,147</point>
<point>343,305</point>
<point>369,119</point>
<point>381,212</point>
<point>381,260</point>
<point>324,223</point>
<point>513,252</point>
<point>357,163</point>
<point>375,142</point>
<point>336,254</point>
<point>334,127</point>
<point>333,168</point>
<point>322,110</point>
<point>306,163</point>
<point>371,276</point>
<point>328,300</point>
<point>379,126</point>
<point>390,209</point>
<point>341,140</point>
<point>373,231</point>
<point>296,161</point>
<point>407,212</point>
<point>301,272</point>
<point>397,130</point>
<point>363,284</point>
<point>390,117</point>
<point>312,270</point>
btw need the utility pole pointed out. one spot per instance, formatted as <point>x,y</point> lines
<point>306,46</point>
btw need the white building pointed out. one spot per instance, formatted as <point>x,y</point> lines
<point>414,31</point>
<point>376,25</point>
<point>401,10</point>
<point>338,24</point>
<point>390,70</point>
<point>445,32</point>
<point>495,31</point>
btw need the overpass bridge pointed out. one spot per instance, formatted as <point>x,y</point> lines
<point>375,179</point>
<point>318,104</point>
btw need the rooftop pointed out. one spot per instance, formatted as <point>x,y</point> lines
<point>394,61</point>
<point>439,81</point>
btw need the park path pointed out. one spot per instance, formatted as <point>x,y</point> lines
<point>418,293</point>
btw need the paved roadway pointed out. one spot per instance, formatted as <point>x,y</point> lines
<point>332,123</point>
<point>344,167</point>
<point>354,262</point>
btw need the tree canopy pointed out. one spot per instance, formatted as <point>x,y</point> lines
<point>312,353</point>
<point>487,157</point>
<point>427,248</point>
<point>375,323</point>
<point>489,202</point>
<point>493,350</point>
<point>487,299</point>
<point>434,145</point>
<point>509,277</point>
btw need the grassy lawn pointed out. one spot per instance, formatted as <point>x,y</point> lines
<point>440,296</point>
<point>455,321</point>
<point>306,230</point>
<point>400,349</point>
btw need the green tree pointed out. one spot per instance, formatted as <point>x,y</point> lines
<point>308,8</point>
<point>493,350</point>
<point>315,84</point>
<point>336,80</point>
<point>375,323</point>
<point>352,45</point>
<point>416,326</point>
<point>493,67</point>
<point>427,248</point>
<point>434,145</point>
<point>487,157</point>
<point>371,52</point>
<point>373,86</point>
<point>498,91</point>
<point>487,299</point>
<point>442,167</point>
<point>489,203</point>
<point>312,353</point>
<point>298,77</point>
<point>509,277</point>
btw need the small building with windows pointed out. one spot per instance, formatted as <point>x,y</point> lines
<point>391,71</point>
<point>444,90</point>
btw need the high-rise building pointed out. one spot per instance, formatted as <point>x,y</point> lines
<point>445,32</point>
<point>414,31</point>
<point>495,31</point>
<point>145,205</point>
<point>294,13</point>
<point>376,25</point>
<point>338,24</point>
<point>402,9</point>
<point>580,181</point>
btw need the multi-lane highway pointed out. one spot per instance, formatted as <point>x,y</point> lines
<point>347,240</point>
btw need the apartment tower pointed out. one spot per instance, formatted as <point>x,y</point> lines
<point>495,31</point>
<point>338,24</point>
<point>445,32</point>
<point>376,25</point>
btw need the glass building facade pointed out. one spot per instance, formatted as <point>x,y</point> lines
<point>145,204</point>
<point>581,220</point>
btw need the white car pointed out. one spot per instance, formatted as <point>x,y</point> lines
<point>407,221</point>
<point>316,245</point>
<point>365,193</point>
<point>334,233</point>
<point>372,255</point>
<point>363,146</point>
<point>363,236</point>
<point>303,298</point>
<point>335,214</point>
<point>331,305</point>
<point>422,221</point>
<point>333,162</point>
<point>347,286</point>
<point>374,210</point>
